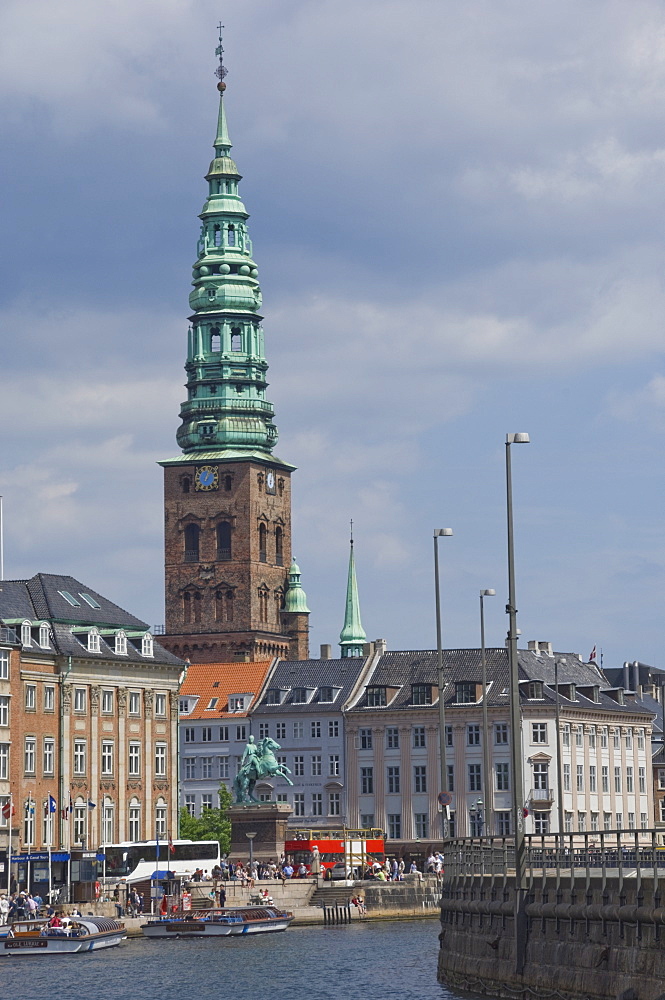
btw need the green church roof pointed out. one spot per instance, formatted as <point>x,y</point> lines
<point>352,638</point>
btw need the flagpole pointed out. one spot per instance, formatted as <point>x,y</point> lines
<point>27,866</point>
<point>9,848</point>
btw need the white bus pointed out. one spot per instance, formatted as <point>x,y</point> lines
<point>138,860</point>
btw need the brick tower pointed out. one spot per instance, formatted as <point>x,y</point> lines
<point>227,498</point>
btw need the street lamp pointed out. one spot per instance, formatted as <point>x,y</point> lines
<point>515,720</point>
<point>487,784</point>
<point>443,782</point>
<point>479,817</point>
<point>250,837</point>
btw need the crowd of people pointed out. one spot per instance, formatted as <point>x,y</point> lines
<point>23,905</point>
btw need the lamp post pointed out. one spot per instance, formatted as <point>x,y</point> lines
<point>443,782</point>
<point>479,817</point>
<point>515,721</point>
<point>250,837</point>
<point>487,784</point>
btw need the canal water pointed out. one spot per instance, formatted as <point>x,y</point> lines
<point>373,960</point>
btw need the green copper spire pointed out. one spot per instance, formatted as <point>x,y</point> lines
<point>352,637</point>
<point>226,414</point>
<point>296,598</point>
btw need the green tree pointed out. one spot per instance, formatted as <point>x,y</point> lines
<point>212,824</point>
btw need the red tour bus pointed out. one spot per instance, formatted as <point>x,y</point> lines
<point>355,847</point>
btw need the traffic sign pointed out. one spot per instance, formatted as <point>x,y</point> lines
<point>445,798</point>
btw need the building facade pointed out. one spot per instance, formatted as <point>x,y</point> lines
<point>227,496</point>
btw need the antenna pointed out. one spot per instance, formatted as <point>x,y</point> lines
<point>221,70</point>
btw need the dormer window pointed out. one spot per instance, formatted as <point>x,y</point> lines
<point>183,706</point>
<point>326,694</point>
<point>299,696</point>
<point>534,690</point>
<point>147,645</point>
<point>44,640</point>
<point>273,697</point>
<point>120,644</point>
<point>26,634</point>
<point>94,642</point>
<point>376,697</point>
<point>421,694</point>
<point>236,703</point>
<point>466,692</point>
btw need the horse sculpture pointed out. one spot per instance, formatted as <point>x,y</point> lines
<point>258,762</point>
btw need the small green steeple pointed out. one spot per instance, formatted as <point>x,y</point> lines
<point>226,414</point>
<point>296,598</point>
<point>352,637</point>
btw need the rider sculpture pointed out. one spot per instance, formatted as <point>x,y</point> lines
<point>258,761</point>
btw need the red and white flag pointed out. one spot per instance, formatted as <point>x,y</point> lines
<point>8,809</point>
<point>592,654</point>
<point>171,845</point>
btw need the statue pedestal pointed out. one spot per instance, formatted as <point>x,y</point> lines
<point>267,820</point>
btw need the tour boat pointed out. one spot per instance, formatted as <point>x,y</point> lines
<point>227,922</point>
<point>29,937</point>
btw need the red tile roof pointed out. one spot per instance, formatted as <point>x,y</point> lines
<point>219,680</point>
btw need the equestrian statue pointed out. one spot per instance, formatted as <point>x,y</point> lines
<point>258,761</point>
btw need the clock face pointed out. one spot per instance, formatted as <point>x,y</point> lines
<point>270,481</point>
<point>206,478</point>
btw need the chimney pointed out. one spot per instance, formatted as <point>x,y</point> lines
<point>380,646</point>
<point>326,651</point>
<point>533,646</point>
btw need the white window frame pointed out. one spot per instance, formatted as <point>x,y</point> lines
<point>161,760</point>
<point>80,757</point>
<point>120,646</point>
<point>134,759</point>
<point>107,757</point>
<point>48,755</point>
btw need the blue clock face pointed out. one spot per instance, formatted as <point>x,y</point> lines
<point>206,477</point>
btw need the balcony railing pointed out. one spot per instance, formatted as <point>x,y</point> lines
<point>191,555</point>
<point>542,796</point>
<point>223,555</point>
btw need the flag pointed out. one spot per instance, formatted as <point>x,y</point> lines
<point>52,804</point>
<point>91,805</point>
<point>592,654</point>
<point>68,810</point>
<point>171,845</point>
<point>8,809</point>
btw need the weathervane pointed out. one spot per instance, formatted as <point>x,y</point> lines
<point>221,70</point>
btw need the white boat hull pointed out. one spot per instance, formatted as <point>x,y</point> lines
<point>230,924</point>
<point>71,938</point>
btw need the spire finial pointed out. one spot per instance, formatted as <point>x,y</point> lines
<point>351,531</point>
<point>221,70</point>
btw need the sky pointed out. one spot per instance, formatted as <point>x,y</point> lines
<point>457,211</point>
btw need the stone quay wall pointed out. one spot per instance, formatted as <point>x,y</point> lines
<point>594,938</point>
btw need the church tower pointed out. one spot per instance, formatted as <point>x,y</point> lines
<point>227,497</point>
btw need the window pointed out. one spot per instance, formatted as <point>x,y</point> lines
<point>160,705</point>
<point>449,736</point>
<point>4,710</point>
<point>279,560</point>
<point>539,732</point>
<point>316,730</point>
<point>120,648</point>
<point>299,766</point>
<point>206,801</point>
<point>630,779</point>
<point>30,697</point>
<point>631,821</point>
<point>619,822</point>
<point>47,827</point>
<point>147,645</point>
<point>475,784</point>
<point>215,337</point>
<point>44,637</point>
<point>580,778</point>
<point>299,804</point>
<point>642,779</point>
<point>49,698</point>
<point>273,697</point>
<point>565,738</point>
<point>26,634</point>
<point>376,697</point>
<point>367,821</point>
<point>421,694</point>
<point>317,804</point>
<point>473,736</point>
<point>190,804</point>
<point>192,539</point>
<point>392,738</point>
<point>134,703</point>
<point>160,820</point>
<point>501,733</point>
<point>451,777</point>
<point>48,759</point>
<point>629,739</point>
<point>333,765</point>
<point>107,702</point>
<point>603,738</point>
<point>4,664</point>
<point>298,730</point>
<point>107,757</point>
<point>617,740</point>
<point>367,781</point>
<point>541,823</point>
<point>315,763</point>
<point>4,761</point>
<point>326,694</point>
<point>607,821</point>
<point>366,740</point>
<point>70,600</point>
<point>206,734</point>
<point>541,776</point>
<point>566,777</point>
<point>79,756</point>
<point>264,730</point>
<point>605,778</point>
<point>393,779</point>
<point>94,641</point>
<point>418,737</point>
<point>80,699</point>
<point>236,337</point>
<point>160,761</point>
<point>422,826</point>
<point>644,823</point>
<point>465,692</point>
<point>579,736</point>
<point>134,821</point>
<point>503,823</point>
<point>189,735</point>
<point>263,537</point>
<point>502,777</point>
<point>241,733</point>
<point>333,728</point>
<point>280,730</point>
<point>224,542</point>
<point>134,769</point>
<point>617,780</point>
<point>420,778</point>
<point>29,822</point>
<point>334,800</point>
<point>394,826</point>
<point>592,739</point>
<point>593,783</point>
<point>190,767</point>
<point>640,739</point>
<point>594,823</point>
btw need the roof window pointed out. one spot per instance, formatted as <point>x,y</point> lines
<point>70,600</point>
<point>87,598</point>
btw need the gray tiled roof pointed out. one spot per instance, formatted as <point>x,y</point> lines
<point>289,674</point>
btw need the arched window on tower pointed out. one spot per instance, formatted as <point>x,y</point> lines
<point>186,483</point>
<point>279,546</point>
<point>228,483</point>
<point>224,605</point>
<point>236,338</point>
<point>215,340</point>
<point>224,540</point>
<point>263,604</point>
<point>279,602</point>
<point>263,534</point>
<point>197,607</point>
<point>217,236</point>
<point>187,607</point>
<point>232,235</point>
<point>192,533</point>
